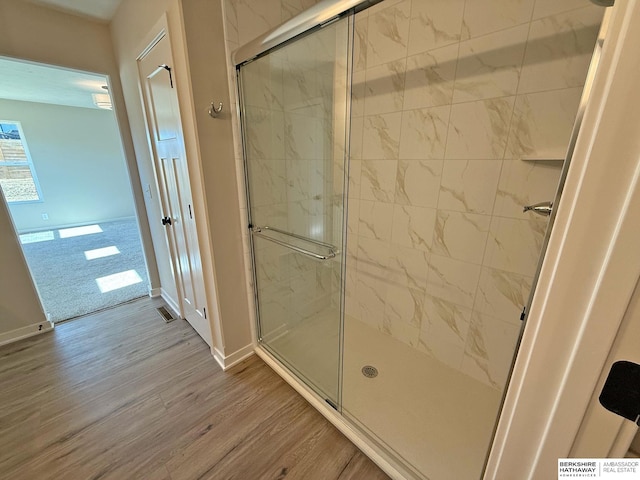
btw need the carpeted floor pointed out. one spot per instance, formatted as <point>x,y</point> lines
<point>71,282</point>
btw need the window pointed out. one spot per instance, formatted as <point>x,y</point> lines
<point>17,175</point>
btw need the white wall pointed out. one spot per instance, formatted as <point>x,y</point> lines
<point>79,165</point>
<point>19,303</point>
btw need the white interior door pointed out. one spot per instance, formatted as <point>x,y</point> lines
<point>172,175</point>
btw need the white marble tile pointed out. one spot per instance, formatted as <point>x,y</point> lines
<point>376,220</point>
<point>302,139</point>
<point>413,227</point>
<point>424,132</point>
<point>358,92</point>
<point>384,91</point>
<point>302,89</point>
<point>265,134</point>
<point>514,245</point>
<point>378,180</point>
<point>546,8</point>
<point>489,66</point>
<point>434,24</point>
<point>404,306</point>
<point>373,258</point>
<point>297,179</point>
<point>263,84</point>
<point>272,215</point>
<point>291,8</point>
<point>462,236</point>
<point>268,182</point>
<point>559,50</point>
<point>230,21</point>
<point>381,136</point>
<point>360,44</point>
<point>487,16</point>
<point>380,6</point>
<point>388,33</point>
<point>490,349</point>
<point>447,322</point>
<point>418,182</point>
<point>479,129</point>
<point>408,267</point>
<point>542,123</point>
<point>355,170</point>
<point>469,186</point>
<point>356,135</point>
<point>256,18</point>
<point>453,280</point>
<point>525,183</point>
<point>353,216</point>
<point>352,308</point>
<point>396,309</point>
<point>502,294</point>
<point>429,78</point>
<point>370,297</point>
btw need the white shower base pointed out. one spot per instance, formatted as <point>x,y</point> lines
<point>435,418</point>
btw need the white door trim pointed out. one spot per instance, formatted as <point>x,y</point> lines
<point>588,276</point>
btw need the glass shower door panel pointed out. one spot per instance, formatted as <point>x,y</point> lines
<point>294,103</point>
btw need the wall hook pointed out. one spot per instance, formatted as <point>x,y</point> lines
<point>214,111</point>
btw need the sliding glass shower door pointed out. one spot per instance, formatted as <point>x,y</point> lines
<point>295,119</point>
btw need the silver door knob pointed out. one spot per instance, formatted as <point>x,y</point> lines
<point>542,208</point>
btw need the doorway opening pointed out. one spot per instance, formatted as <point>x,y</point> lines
<point>64,178</point>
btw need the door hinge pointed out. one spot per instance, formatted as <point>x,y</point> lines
<point>524,313</point>
<point>168,69</point>
<point>190,216</point>
<point>205,312</point>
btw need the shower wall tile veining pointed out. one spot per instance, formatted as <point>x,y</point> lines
<point>461,113</point>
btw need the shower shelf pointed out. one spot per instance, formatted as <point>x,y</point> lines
<point>547,158</point>
<point>276,236</point>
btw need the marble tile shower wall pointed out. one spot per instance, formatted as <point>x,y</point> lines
<point>289,107</point>
<point>452,99</point>
<point>449,97</point>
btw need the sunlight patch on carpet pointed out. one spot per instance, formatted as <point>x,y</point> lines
<point>78,231</point>
<point>36,237</point>
<point>118,280</point>
<point>101,252</point>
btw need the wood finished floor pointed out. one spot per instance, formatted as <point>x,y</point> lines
<point>121,395</point>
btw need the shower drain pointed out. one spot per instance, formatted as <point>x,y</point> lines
<point>369,371</point>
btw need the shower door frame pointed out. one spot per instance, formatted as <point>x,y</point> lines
<point>349,16</point>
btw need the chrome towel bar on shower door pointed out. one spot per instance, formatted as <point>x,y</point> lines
<point>266,233</point>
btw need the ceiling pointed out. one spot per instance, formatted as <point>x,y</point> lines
<point>102,10</point>
<point>32,82</point>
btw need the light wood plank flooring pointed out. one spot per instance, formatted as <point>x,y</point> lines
<point>121,395</point>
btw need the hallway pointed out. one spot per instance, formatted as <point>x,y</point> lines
<point>120,394</point>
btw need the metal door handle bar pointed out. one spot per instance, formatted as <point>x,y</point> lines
<point>263,232</point>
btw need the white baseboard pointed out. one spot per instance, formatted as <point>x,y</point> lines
<point>25,332</point>
<point>233,359</point>
<point>175,309</point>
<point>155,292</point>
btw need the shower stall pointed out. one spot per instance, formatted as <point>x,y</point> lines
<point>402,159</point>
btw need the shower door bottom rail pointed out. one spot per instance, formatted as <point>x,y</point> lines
<point>271,234</point>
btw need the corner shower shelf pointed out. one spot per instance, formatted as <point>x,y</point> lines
<point>548,158</point>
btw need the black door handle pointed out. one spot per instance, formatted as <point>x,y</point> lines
<point>166,221</point>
